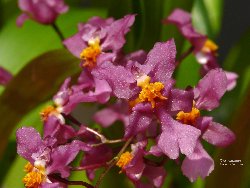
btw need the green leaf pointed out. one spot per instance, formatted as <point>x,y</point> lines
<point>12,165</point>
<point>188,73</point>
<point>238,60</point>
<point>207,16</point>
<point>34,84</point>
<point>15,174</point>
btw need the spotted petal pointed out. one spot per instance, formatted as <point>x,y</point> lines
<point>28,142</point>
<point>176,136</point>
<point>210,89</point>
<point>218,135</point>
<point>160,63</point>
<point>198,164</point>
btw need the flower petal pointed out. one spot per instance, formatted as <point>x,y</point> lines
<point>138,122</point>
<point>63,155</point>
<point>28,142</point>
<point>119,79</point>
<point>231,80</point>
<point>210,89</point>
<point>176,136</point>
<point>116,31</point>
<point>218,135</point>
<point>160,63</point>
<point>155,174</point>
<point>53,128</point>
<point>183,21</point>
<point>199,163</point>
<point>180,100</point>
<point>5,76</point>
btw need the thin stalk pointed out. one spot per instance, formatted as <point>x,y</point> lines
<point>82,168</point>
<point>113,162</point>
<point>82,183</point>
<point>58,31</point>
<point>184,55</point>
<point>72,119</point>
<point>108,142</point>
<point>102,138</point>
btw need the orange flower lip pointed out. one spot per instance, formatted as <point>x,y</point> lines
<point>150,91</point>
<point>209,46</point>
<point>90,53</point>
<point>47,111</point>
<point>124,160</point>
<point>35,175</point>
<point>190,117</point>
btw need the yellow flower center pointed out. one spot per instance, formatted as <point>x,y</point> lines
<point>209,46</point>
<point>150,91</point>
<point>35,176</point>
<point>47,111</point>
<point>190,117</point>
<point>124,159</point>
<point>28,167</point>
<point>90,53</point>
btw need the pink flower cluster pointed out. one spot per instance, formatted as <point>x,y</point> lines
<point>137,90</point>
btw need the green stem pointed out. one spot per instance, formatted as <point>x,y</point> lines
<point>113,162</point>
<point>58,31</point>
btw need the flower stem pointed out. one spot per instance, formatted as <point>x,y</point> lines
<point>108,142</point>
<point>72,119</point>
<point>84,184</point>
<point>103,139</point>
<point>94,166</point>
<point>184,55</point>
<point>113,162</point>
<point>58,31</point>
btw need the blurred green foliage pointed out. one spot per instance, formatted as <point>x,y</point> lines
<point>22,49</point>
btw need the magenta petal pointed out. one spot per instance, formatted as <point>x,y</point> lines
<point>5,76</point>
<point>44,12</point>
<point>106,117</point>
<point>139,56</point>
<point>179,17</point>
<point>231,80</point>
<point>75,44</point>
<point>160,63</point>
<point>138,122</point>
<point>203,122</point>
<point>53,185</point>
<point>199,163</point>
<point>210,89</point>
<point>102,91</point>
<point>28,142</point>
<point>188,136</point>
<point>63,155</point>
<point>180,100</point>
<point>120,80</point>
<point>96,158</point>
<point>168,143</point>
<point>115,33</point>
<point>183,21</point>
<point>53,128</point>
<point>21,19</point>
<point>218,135</point>
<point>117,111</point>
<point>155,174</point>
<point>156,151</point>
<point>135,168</point>
<point>176,136</point>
